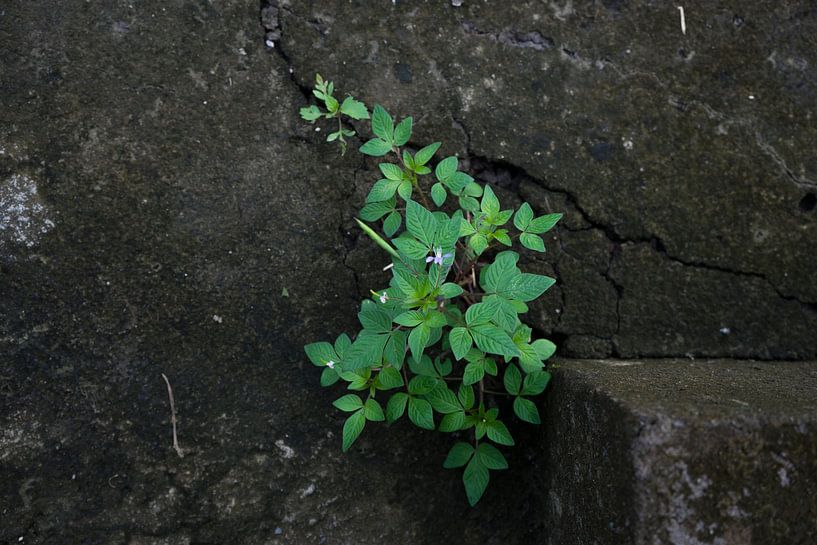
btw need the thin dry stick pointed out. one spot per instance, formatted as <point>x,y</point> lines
<point>176,446</point>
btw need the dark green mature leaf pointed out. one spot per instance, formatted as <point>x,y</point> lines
<point>410,318</point>
<point>512,379</point>
<point>543,224</point>
<point>376,210</point>
<point>492,340</point>
<point>504,312</point>
<point>420,223</point>
<point>395,351</point>
<point>402,132</point>
<point>424,366</point>
<point>352,428</point>
<point>526,410</point>
<point>329,377</point>
<point>528,358</point>
<point>458,181</point>
<point>392,223</point>
<point>500,272</point>
<point>443,400</point>
<point>421,385</point>
<point>424,155</point>
<point>460,341</point>
<point>396,406</point>
<point>418,339</point>
<point>420,412</point>
<point>445,168</point>
<point>490,456</point>
<point>373,317</point>
<point>532,242</point>
<point>458,456</point>
<point>375,148</point>
<point>498,433</point>
<point>480,313</point>
<point>473,373</point>
<point>321,353</point>
<point>373,410</point>
<point>452,422</point>
<point>348,403</point>
<point>382,124</point>
<point>527,287</point>
<point>475,478</point>
<point>367,350</point>
<point>354,108</point>
<point>466,396</point>
<point>411,247</point>
<point>523,217</point>
<point>389,378</point>
<point>535,383</point>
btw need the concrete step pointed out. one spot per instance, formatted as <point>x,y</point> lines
<point>687,452</point>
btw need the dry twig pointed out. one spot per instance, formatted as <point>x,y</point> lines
<point>176,446</point>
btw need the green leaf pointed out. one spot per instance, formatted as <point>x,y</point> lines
<point>445,168</point>
<point>321,353</point>
<point>352,428</point>
<point>438,194</point>
<point>532,242</point>
<point>452,422</point>
<point>526,410</point>
<point>469,203</point>
<point>458,181</point>
<point>420,223</point>
<point>475,478</point>
<point>392,223</point>
<point>501,235</point>
<point>402,132</point>
<point>382,190</point>
<point>513,379</point>
<point>348,403</point>
<point>523,216</point>
<point>480,313</point>
<point>543,224</point>
<point>492,340</point>
<point>498,433</point>
<point>458,456</point>
<point>354,108</point>
<point>342,344</point>
<point>423,367</point>
<point>373,410</point>
<point>424,155</point>
<point>331,103</point>
<point>411,248</point>
<point>329,377</point>
<point>391,172</point>
<point>500,272</point>
<point>473,373</point>
<point>466,396</point>
<point>449,290</point>
<point>395,351</point>
<point>389,378</point>
<point>382,124</point>
<point>404,190</point>
<point>504,312</point>
<point>396,406</point>
<point>490,456</point>
<point>421,385</point>
<point>410,318</point>
<point>478,243</point>
<point>376,210</point>
<point>375,147</point>
<point>544,348</point>
<point>417,340</point>
<point>528,359</point>
<point>310,113</point>
<point>473,189</point>
<point>443,400</point>
<point>420,412</point>
<point>460,341</point>
<point>527,287</point>
<point>435,319</point>
<point>373,317</point>
<point>535,383</point>
<point>367,350</point>
<point>489,204</point>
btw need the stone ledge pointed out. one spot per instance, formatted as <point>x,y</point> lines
<point>699,452</point>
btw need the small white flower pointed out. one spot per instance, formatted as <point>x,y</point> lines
<point>330,364</point>
<point>438,257</point>
<point>384,297</point>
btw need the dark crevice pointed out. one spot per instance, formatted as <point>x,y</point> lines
<point>513,38</point>
<point>273,26</point>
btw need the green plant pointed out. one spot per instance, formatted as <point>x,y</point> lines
<point>447,327</point>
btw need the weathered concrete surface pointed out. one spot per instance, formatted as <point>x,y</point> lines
<point>683,452</point>
<point>691,155</point>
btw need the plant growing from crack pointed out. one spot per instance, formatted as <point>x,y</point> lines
<point>447,327</point>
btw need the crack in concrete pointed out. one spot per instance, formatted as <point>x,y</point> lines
<point>513,38</point>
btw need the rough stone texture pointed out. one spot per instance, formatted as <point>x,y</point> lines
<point>158,194</point>
<point>683,452</point>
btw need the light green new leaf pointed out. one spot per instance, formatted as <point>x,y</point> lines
<point>450,290</point>
<point>310,113</point>
<point>329,377</point>
<point>420,223</point>
<point>523,217</point>
<point>382,124</point>
<point>478,243</point>
<point>391,171</point>
<point>348,403</point>
<point>402,132</point>
<point>438,194</point>
<point>375,148</point>
<point>396,406</point>
<point>544,348</point>
<point>512,380</point>
<point>460,341</point>
<point>543,224</point>
<point>373,410</point>
<point>490,456</point>
<point>354,108</point>
<point>404,190</point>
<point>475,478</point>
<point>445,168</point>
<point>532,242</point>
<point>424,155</point>
<point>489,204</point>
<point>352,428</point>
<point>420,412</point>
<point>458,456</point>
<point>526,410</point>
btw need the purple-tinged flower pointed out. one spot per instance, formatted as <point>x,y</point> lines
<point>438,257</point>
<point>384,297</point>
<point>330,364</point>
